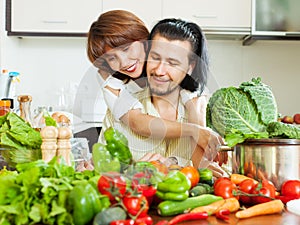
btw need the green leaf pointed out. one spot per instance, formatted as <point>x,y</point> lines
<point>49,121</point>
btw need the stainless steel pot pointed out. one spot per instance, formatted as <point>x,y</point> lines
<point>277,160</point>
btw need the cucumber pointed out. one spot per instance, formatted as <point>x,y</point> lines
<point>106,216</point>
<point>171,208</point>
<point>206,176</point>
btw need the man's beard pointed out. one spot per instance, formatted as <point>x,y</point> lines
<point>159,92</point>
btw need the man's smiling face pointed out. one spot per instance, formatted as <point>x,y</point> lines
<point>167,65</point>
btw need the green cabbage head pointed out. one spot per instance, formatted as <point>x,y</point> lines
<point>243,112</point>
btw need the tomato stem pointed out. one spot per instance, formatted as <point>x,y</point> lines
<point>241,193</point>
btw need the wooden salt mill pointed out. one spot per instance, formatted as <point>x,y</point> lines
<point>49,136</point>
<point>64,144</point>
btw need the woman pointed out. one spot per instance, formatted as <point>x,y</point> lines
<point>117,42</point>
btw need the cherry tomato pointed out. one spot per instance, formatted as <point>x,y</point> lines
<point>265,188</point>
<point>136,204</point>
<point>192,174</point>
<point>291,188</point>
<point>225,188</point>
<point>246,186</point>
<point>112,184</point>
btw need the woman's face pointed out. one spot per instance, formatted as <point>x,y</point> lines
<point>127,59</point>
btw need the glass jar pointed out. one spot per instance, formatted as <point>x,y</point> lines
<point>4,107</point>
<point>39,116</point>
<point>25,107</point>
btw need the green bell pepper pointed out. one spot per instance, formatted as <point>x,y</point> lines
<point>175,186</point>
<point>84,203</point>
<point>103,161</point>
<point>117,145</point>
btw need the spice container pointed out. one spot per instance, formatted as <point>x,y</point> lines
<point>4,107</point>
<point>25,107</point>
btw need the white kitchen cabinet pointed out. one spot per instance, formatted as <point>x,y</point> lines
<point>212,15</point>
<point>51,16</point>
<point>149,11</point>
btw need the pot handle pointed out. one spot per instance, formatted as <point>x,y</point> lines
<point>224,148</point>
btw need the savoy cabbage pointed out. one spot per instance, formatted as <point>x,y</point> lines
<point>238,113</point>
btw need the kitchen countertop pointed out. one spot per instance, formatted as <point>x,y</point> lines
<point>79,127</point>
<point>286,218</point>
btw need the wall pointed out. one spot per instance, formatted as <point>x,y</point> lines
<point>49,64</point>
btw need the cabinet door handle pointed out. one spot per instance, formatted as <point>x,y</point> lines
<point>205,16</point>
<point>55,21</point>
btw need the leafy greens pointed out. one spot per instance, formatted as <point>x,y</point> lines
<point>239,113</point>
<point>16,133</point>
<point>19,142</point>
<point>37,193</point>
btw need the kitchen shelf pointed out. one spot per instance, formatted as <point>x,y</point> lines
<point>252,38</point>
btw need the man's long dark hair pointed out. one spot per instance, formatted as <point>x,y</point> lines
<point>176,29</point>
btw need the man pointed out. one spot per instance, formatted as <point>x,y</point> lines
<point>174,52</point>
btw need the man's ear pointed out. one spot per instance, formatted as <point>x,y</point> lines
<point>191,67</point>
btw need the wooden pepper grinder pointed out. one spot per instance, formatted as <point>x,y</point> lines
<point>64,144</point>
<point>49,136</point>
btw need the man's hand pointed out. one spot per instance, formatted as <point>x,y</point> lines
<point>157,157</point>
<point>210,141</point>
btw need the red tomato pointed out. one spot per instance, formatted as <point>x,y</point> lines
<point>291,188</point>
<point>225,188</point>
<point>265,188</point>
<point>246,186</point>
<point>221,179</point>
<point>192,174</point>
<point>136,204</point>
<point>112,184</point>
<point>147,190</point>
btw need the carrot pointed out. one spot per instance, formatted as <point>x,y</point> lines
<point>238,178</point>
<point>232,204</point>
<point>272,207</point>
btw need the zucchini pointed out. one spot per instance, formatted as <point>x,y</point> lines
<point>108,215</point>
<point>201,189</point>
<point>171,208</point>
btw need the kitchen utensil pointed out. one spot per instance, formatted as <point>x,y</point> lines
<point>274,159</point>
<point>294,206</point>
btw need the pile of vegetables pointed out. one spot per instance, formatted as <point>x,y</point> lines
<point>120,191</point>
<point>49,193</point>
<point>130,192</point>
<point>247,111</point>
